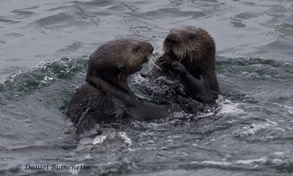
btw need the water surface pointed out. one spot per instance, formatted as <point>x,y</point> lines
<point>45,45</point>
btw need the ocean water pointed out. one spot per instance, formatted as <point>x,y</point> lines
<point>44,49</point>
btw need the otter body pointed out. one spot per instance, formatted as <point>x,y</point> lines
<point>188,60</point>
<point>106,97</point>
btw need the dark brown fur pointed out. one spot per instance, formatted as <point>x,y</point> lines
<point>106,96</point>
<point>110,66</point>
<point>190,53</point>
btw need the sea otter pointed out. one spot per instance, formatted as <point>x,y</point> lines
<point>106,97</point>
<point>188,64</point>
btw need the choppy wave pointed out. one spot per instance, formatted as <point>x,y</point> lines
<point>258,69</point>
<point>43,75</point>
<point>240,134</point>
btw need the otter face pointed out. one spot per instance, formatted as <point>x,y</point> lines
<point>140,52</point>
<point>189,43</point>
<point>119,57</point>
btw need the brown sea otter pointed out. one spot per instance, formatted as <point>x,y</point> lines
<point>106,97</point>
<point>188,64</point>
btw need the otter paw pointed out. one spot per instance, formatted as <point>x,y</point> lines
<point>178,68</point>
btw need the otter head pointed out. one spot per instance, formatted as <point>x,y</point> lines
<point>114,61</point>
<point>191,46</point>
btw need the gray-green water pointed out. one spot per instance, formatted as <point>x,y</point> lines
<point>44,48</point>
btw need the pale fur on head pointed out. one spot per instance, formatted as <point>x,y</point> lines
<point>185,48</point>
<point>181,51</point>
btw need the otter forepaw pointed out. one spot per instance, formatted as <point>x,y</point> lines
<point>178,68</point>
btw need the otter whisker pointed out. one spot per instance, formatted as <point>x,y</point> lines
<point>195,49</point>
<point>152,63</point>
<point>187,51</point>
<point>177,52</point>
<point>184,54</point>
<point>190,55</point>
<point>181,55</point>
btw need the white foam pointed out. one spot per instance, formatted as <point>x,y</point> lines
<point>99,139</point>
<point>181,114</point>
<point>217,163</point>
<point>228,107</point>
<point>277,161</point>
<point>254,128</point>
<point>281,154</point>
<point>46,79</point>
<point>124,136</point>
<point>14,75</point>
<point>288,108</point>
<point>251,161</point>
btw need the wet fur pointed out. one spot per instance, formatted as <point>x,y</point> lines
<point>189,56</point>
<point>106,97</point>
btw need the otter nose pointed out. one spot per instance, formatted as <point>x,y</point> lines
<point>171,38</point>
<point>150,48</point>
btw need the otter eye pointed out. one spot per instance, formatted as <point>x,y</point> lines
<point>136,49</point>
<point>192,36</point>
